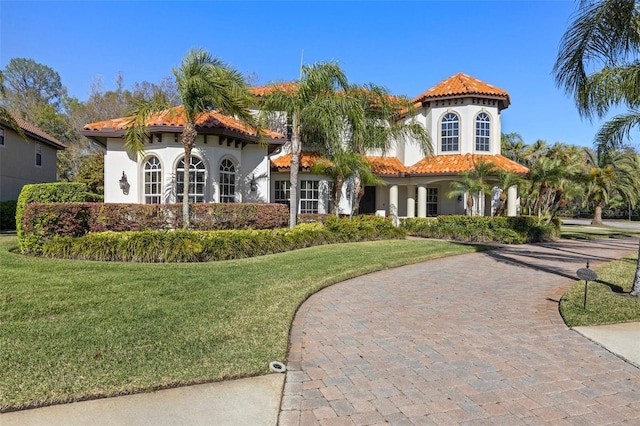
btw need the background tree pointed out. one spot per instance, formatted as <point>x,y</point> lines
<point>512,146</point>
<point>91,172</point>
<point>205,83</point>
<point>474,182</point>
<point>598,64</point>
<point>608,174</point>
<point>5,115</point>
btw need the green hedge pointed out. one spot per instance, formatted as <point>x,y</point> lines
<point>57,192</point>
<point>206,246</point>
<point>508,230</point>
<point>42,221</point>
<point>8,215</point>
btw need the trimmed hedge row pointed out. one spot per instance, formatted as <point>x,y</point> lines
<point>206,246</point>
<point>8,215</point>
<point>508,230</point>
<point>57,192</point>
<point>42,221</point>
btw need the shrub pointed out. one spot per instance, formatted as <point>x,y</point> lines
<point>44,221</point>
<point>8,215</point>
<point>204,246</point>
<point>508,230</point>
<point>57,192</point>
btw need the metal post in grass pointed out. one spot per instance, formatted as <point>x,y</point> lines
<point>587,275</point>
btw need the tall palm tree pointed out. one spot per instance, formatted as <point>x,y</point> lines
<point>512,146</point>
<point>616,172</point>
<point>605,36</point>
<point>204,83</point>
<point>321,113</point>
<point>386,122</point>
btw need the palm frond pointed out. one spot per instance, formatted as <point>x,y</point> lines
<point>616,131</point>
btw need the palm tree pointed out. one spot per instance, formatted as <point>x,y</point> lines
<point>512,146</point>
<point>387,121</point>
<point>505,181</point>
<point>204,83</point>
<point>474,182</point>
<point>321,113</point>
<point>605,36</point>
<point>617,172</point>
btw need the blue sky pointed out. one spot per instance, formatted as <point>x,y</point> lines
<point>406,47</point>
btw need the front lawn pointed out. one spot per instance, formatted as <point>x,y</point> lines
<point>606,302</point>
<point>76,329</point>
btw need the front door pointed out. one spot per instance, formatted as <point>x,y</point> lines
<point>368,201</point>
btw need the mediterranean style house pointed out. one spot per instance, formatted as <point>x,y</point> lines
<point>461,113</point>
<point>26,160</point>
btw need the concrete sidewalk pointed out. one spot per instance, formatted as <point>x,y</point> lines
<point>622,340</point>
<point>246,402</point>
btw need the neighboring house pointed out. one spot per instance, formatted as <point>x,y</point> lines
<point>462,114</point>
<point>27,160</point>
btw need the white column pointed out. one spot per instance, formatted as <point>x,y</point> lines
<point>411,201</point>
<point>422,201</point>
<point>393,203</point>
<point>512,201</point>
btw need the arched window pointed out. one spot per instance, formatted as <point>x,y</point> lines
<point>197,179</point>
<point>152,181</point>
<point>483,128</point>
<point>227,181</point>
<point>450,132</point>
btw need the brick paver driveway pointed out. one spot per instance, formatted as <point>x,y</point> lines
<point>472,339</point>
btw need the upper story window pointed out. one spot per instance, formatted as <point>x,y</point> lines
<point>483,130</point>
<point>38,155</point>
<point>152,181</point>
<point>227,181</point>
<point>197,179</point>
<point>1,136</point>
<point>450,132</point>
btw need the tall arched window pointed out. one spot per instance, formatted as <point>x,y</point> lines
<point>152,181</point>
<point>197,179</point>
<point>227,181</point>
<point>483,128</point>
<point>450,132</point>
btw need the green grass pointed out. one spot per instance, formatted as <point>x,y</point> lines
<point>606,303</point>
<point>590,232</point>
<point>71,330</point>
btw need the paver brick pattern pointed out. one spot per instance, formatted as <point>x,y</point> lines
<point>474,340</point>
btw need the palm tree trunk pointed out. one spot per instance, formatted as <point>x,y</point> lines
<point>296,150</point>
<point>358,193</point>
<point>188,139</point>
<point>597,215</point>
<point>337,193</point>
<point>635,289</point>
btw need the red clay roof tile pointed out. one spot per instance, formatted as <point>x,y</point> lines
<point>176,117</point>
<point>307,160</point>
<point>386,165</point>
<point>453,164</point>
<point>287,86</point>
<point>462,84</point>
<point>35,131</point>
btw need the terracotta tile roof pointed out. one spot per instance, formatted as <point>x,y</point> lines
<point>287,86</point>
<point>33,131</point>
<point>307,160</point>
<point>462,84</point>
<point>453,164</point>
<point>386,165</point>
<point>175,117</point>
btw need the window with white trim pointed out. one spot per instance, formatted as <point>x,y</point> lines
<point>450,132</point>
<point>38,155</point>
<point>483,128</point>
<point>197,179</point>
<point>152,181</point>
<point>227,181</point>
<point>282,193</point>
<point>309,196</point>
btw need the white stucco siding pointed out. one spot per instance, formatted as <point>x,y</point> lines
<point>254,166</point>
<point>467,113</point>
<point>411,152</point>
<point>116,161</point>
